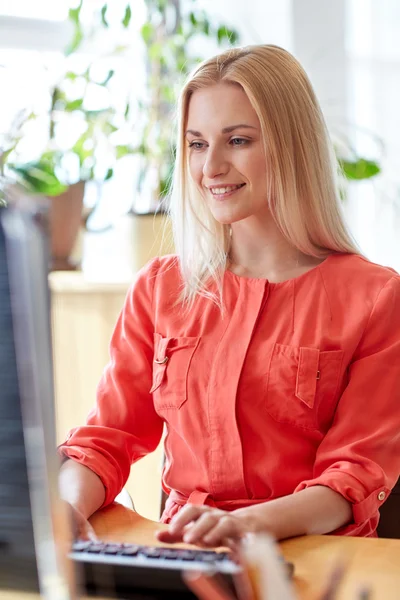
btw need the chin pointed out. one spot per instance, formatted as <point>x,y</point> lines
<point>229,219</point>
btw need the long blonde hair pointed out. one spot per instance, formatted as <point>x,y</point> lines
<point>303,189</point>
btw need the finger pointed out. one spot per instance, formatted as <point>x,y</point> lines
<point>186,515</point>
<point>204,524</point>
<point>169,538</point>
<point>226,528</point>
<point>84,531</point>
<point>90,532</point>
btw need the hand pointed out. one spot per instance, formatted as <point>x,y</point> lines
<point>81,528</point>
<point>207,526</point>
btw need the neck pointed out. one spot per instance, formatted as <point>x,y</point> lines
<point>259,249</point>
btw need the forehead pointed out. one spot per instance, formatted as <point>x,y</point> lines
<point>220,105</point>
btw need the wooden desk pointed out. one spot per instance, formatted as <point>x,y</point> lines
<point>375,562</point>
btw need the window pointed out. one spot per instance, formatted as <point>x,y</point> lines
<point>40,9</point>
<point>374,88</point>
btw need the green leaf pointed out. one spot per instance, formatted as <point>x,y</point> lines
<point>359,169</point>
<point>193,19</point>
<point>109,76</point>
<point>233,37</point>
<point>82,152</point>
<point>5,154</point>
<point>74,13</point>
<point>76,42</point>
<point>93,115</point>
<point>122,150</point>
<point>109,128</point>
<point>103,15</point>
<point>147,32</point>
<point>220,34</point>
<point>223,33</point>
<point>206,27</point>
<point>71,76</point>
<point>109,174</point>
<point>73,105</point>
<point>38,177</point>
<point>127,110</point>
<point>127,17</point>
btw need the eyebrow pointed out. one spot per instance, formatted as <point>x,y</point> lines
<point>224,130</point>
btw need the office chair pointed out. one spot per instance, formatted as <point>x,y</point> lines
<point>389,524</point>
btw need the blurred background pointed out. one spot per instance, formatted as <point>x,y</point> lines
<point>87,93</point>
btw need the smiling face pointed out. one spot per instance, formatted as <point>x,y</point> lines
<point>226,153</point>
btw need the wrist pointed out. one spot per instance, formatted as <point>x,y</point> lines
<point>251,519</point>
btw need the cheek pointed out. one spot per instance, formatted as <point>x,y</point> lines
<point>196,167</point>
<point>258,173</point>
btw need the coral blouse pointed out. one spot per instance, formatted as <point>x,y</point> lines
<point>297,384</point>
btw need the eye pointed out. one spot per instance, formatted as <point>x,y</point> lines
<point>237,141</point>
<point>196,145</point>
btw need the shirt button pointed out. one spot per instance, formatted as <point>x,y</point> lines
<point>381,496</point>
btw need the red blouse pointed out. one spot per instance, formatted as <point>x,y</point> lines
<point>296,384</point>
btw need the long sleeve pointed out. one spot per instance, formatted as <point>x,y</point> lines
<point>123,426</point>
<point>360,455</point>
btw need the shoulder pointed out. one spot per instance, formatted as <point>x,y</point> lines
<point>354,285</point>
<point>164,267</point>
<point>157,281</point>
<point>357,273</point>
<point>160,273</point>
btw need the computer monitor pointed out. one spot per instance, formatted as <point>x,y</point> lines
<point>31,520</point>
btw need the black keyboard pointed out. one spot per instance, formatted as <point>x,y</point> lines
<point>149,572</point>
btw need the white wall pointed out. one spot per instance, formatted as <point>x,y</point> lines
<point>258,21</point>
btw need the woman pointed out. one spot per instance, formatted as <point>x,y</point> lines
<point>268,346</point>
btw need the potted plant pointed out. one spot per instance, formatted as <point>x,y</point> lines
<point>102,133</point>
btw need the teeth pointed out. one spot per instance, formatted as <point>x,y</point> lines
<point>224,190</point>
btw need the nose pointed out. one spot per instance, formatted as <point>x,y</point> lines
<point>215,164</point>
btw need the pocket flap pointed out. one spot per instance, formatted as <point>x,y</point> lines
<point>307,375</point>
<point>160,360</point>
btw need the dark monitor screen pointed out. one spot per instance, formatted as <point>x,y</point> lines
<point>16,532</point>
<point>29,559</point>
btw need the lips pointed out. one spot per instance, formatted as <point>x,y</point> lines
<point>221,190</point>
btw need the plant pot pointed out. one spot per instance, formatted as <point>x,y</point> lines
<point>65,220</point>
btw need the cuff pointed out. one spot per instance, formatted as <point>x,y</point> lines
<point>94,461</point>
<point>364,507</point>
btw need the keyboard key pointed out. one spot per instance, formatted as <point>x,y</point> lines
<point>96,548</point>
<point>112,548</point>
<point>206,557</point>
<point>186,554</point>
<point>169,554</point>
<point>80,546</point>
<point>151,552</point>
<point>222,556</point>
<point>129,550</point>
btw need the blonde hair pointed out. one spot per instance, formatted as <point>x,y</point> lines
<point>303,189</point>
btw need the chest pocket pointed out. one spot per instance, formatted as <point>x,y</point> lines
<point>303,385</point>
<point>172,358</point>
